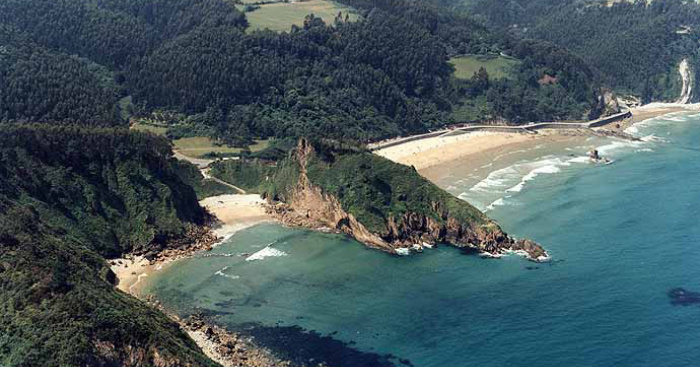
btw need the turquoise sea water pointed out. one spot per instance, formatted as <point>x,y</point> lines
<point>621,237</point>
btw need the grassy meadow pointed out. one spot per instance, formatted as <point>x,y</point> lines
<point>197,147</point>
<point>281,16</point>
<point>498,67</point>
<point>158,130</point>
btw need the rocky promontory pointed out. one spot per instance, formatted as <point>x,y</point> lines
<point>352,192</point>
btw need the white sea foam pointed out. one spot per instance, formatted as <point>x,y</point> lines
<point>580,159</point>
<point>616,146</point>
<point>548,169</point>
<point>632,130</point>
<point>222,274</point>
<point>495,179</point>
<point>671,118</point>
<point>653,138</point>
<point>499,202</point>
<point>268,251</point>
<point>675,118</point>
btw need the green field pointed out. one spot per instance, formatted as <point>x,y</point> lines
<point>498,67</point>
<point>197,147</point>
<point>158,130</point>
<point>281,16</point>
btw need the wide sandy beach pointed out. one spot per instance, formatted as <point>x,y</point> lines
<point>235,212</point>
<point>435,156</point>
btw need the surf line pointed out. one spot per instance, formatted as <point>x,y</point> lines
<point>221,273</point>
<point>267,251</point>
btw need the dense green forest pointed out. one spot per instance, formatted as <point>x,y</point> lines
<point>384,75</point>
<point>636,47</point>
<point>123,196</point>
<point>63,210</point>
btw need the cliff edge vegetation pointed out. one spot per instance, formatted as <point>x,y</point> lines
<point>382,204</point>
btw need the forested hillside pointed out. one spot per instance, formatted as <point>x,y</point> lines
<point>636,47</point>
<point>63,209</point>
<point>37,84</point>
<point>384,75</point>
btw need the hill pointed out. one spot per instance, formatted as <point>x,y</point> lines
<point>606,35</point>
<point>63,210</point>
<point>198,69</point>
<point>382,204</point>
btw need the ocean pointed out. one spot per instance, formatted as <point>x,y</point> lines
<point>623,238</point>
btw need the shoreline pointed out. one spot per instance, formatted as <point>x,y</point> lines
<point>430,155</point>
<point>229,349</point>
<point>234,213</point>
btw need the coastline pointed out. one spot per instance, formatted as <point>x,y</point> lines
<point>650,111</point>
<point>234,213</point>
<point>433,157</point>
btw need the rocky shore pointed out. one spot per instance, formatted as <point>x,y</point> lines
<point>224,347</point>
<point>310,207</point>
<point>129,270</point>
<point>197,238</point>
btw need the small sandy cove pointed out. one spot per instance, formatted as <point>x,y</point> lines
<point>235,212</point>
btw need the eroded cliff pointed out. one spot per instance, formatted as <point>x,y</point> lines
<point>385,205</point>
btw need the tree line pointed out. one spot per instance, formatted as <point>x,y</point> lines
<point>636,47</point>
<point>382,76</point>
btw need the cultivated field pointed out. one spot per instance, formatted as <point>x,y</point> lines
<point>498,67</point>
<point>281,16</point>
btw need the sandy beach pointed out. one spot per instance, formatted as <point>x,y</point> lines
<point>235,212</point>
<point>430,156</point>
<point>429,152</point>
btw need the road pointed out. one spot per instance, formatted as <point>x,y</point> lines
<point>527,129</point>
<point>205,173</point>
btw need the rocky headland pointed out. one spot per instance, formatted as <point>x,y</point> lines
<point>439,219</point>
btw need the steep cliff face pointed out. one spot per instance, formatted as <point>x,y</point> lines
<point>308,206</point>
<point>423,215</point>
<point>688,81</point>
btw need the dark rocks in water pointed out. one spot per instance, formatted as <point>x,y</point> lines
<point>298,345</point>
<point>534,251</point>
<point>206,312</point>
<point>469,250</point>
<point>532,267</point>
<point>230,303</point>
<point>682,297</point>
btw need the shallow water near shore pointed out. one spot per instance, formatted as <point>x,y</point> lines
<point>621,237</point>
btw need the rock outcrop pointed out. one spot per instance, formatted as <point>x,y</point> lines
<point>309,206</point>
<point>196,238</point>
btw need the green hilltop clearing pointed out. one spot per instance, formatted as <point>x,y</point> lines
<point>498,67</point>
<point>200,146</point>
<point>280,16</point>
